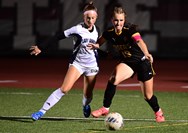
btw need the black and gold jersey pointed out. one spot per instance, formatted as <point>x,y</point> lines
<point>124,44</point>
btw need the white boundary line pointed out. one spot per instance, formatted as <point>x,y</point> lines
<point>19,93</point>
<point>185,87</point>
<point>129,85</point>
<point>79,118</point>
<point>156,126</point>
<point>8,81</point>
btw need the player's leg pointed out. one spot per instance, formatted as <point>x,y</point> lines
<point>71,76</point>
<point>147,90</point>
<point>89,83</point>
<point>121,73</point>
<point>145,76</point>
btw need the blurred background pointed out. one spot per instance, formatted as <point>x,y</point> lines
<point>163,24</point>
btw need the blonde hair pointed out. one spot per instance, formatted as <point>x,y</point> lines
<point>119,10</point>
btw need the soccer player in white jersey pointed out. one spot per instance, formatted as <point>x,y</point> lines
<point>83,61</point>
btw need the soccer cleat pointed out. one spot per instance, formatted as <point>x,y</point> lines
<point>86,110</point>
<point>159,116</point>
<point>37,115</point>
<point>100,112</point>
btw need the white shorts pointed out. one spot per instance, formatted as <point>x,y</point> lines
<point>87,71</point>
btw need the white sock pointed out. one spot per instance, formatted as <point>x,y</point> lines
<point>107,108</point>
<point>52,100</point>
<point>86,101</point>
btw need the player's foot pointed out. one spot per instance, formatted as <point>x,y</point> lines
<point>102,111</point>
<point>37,115</point>
<point>86,110</point>
<point>159,116</point>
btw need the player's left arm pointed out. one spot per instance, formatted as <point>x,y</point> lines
<point>96,45</point>
<point>140,42</point>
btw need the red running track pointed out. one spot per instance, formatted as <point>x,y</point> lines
<point>172,75</point>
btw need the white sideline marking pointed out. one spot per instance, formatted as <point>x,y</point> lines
<point>19,93</point>
<point>79,118</point>
<point>186,87</point>
<point>8,81</point>
<point>166,125</point>
<point>29,93</point>
<point>129,85</point>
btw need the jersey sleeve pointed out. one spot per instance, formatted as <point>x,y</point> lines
<point>70,31</point>
<point>52,40</point>
<point>105,35</point>
<point>98,31</point>
<point>133,29</point>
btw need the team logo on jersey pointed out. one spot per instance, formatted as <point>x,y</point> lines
<point>94,70</point>
<point>88,40</point>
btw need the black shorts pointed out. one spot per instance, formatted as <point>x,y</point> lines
<point>143,69</point>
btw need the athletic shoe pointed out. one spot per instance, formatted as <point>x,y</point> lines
<point>159,116</point>
<point>37,115</point>
<point>86,110</point>
<point>102,111</point>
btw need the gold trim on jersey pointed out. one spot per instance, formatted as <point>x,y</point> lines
<point>118,33</point>
<point>111,29</point>
<point>125,28</point>
<point>152,69</point>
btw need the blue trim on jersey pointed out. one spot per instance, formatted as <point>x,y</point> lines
<point>76,47</point>
<point>96,56</point>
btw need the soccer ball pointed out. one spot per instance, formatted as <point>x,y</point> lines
<point>114,121</point>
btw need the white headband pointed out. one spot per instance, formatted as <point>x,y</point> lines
<point>90,11</point>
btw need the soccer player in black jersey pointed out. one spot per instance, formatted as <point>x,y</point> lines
<point>134,58</point>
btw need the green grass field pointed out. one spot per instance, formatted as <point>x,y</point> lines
<point>16,106</point>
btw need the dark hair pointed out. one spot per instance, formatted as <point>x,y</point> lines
<point>90,6</point>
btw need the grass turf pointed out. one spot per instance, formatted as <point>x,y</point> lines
<point>139,118</point>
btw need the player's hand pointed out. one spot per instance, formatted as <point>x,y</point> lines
<point>149,57</point>
<point>92,46</point>
<point>34,50</point>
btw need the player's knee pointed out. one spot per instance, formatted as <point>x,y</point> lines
<point>148,96</point>
<point>113,80</point>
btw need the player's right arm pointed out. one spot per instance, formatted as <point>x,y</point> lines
<point>38,48</point>
<point>34,50</point>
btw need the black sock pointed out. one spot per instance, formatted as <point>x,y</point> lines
<point>153,102</point>
<point>109,94</point>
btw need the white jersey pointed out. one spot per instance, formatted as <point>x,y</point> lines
<point>82,37</point>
